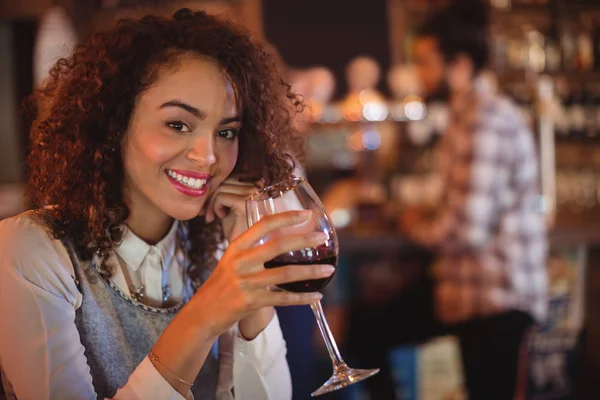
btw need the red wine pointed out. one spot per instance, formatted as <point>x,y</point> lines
<point>313,285</point>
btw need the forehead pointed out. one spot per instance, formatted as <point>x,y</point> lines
<point>194,79</point>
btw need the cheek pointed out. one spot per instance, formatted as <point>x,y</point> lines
<point>152,151</point>
<point>228,155</point>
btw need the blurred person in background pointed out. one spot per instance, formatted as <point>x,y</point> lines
<point>137,278</point>
<point>487,284</point>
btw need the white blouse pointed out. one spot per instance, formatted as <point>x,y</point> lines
<point>40,350</point>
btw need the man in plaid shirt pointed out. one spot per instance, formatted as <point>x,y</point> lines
<point>487,284</point>
<point>487,232</point>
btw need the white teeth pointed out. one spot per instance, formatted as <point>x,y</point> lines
<point>193,183</point>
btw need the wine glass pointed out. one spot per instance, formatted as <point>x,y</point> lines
<point>293,195</point>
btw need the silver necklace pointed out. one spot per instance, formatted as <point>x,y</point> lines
<point>138,292</point>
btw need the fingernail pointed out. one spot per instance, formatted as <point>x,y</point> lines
<point>327,269</point>
<point>316,296</point>
<point>319,237</point>
<point>303,215</point>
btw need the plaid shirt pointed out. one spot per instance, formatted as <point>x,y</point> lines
<point>488,232</point>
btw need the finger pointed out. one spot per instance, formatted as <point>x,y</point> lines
<point>210,215</point>
<point>235,182</point>
<point>241,191</point>
<point>281,244</point>
<point>269,224</point>
<point>290,273</point>
<point>226,201</point>
<point>287,298</point>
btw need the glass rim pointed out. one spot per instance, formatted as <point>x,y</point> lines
<point>282,187</point>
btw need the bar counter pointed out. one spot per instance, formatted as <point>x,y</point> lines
<point>588,383</point>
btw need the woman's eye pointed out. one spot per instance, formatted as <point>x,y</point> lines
<point>228,133</point>
<point>179,126</point>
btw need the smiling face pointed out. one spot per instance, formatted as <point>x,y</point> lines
<point>181,143</point>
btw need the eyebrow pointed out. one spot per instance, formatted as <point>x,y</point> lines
<point>196,112</point>
<point>192,110</point>
<point>229,120</point>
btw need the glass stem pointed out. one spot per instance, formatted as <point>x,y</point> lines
<point>334,353</point>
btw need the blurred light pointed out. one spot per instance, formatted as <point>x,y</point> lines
<point>375,111</point>
<point>363,97</point>
<point>341,217</point>
<point>414,110</point>
<point>352,115</point>
<point>355,142</point>
<point>397,112</point>
<point>331,114</point>
<point>419,132</point>
<point>371,140</point>
<point>343,160</point>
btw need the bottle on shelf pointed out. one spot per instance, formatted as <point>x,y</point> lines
<point>576,113</point>
<point>568,44</point>
<point>535,54</point>
<point>585,47</point>
<point>502,5</point>
<point>553,54</point>
<point>590,114</point>
<point>595,100</point>
<point>515,50</point>
<point>596,41</point>
<point>562,124</point>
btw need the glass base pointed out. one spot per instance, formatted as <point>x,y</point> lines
<point>344,376</point>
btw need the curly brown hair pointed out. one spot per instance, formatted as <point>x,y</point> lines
<point>75,161</point>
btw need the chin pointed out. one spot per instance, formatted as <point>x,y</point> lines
<point>184,212</point>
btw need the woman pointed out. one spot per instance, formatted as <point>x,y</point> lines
<point>141,151</point>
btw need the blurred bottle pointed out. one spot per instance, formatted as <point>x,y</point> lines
<point>590,109</point>
<point>596,40</point>
<point>576,113</point>
<point>569,47</point>
<point>515,50</point>
<point>499,49</point>
<point>562,124</point>
<point>584,60</point>
<point>595,113</point>
<point>535,54</point>
<point>553,55</point>
<point>503,5</point>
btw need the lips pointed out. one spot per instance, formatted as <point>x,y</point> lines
<point>189,182</point>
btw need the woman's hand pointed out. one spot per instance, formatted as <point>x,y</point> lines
<point>238,289</point>
<point>228,204</point>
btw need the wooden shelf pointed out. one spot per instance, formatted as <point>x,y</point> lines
<point>516,76</point>
<point>523,8</point>
<point>390,242</point>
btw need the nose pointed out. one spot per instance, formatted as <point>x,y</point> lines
<point>202,151</point>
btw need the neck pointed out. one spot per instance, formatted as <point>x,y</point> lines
<point>148,223</point>
<point>150,230</point>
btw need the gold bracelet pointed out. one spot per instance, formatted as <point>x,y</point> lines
<point>154,358</point>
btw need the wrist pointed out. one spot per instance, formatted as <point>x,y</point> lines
<point>196,325</point>
<point>251,326</point>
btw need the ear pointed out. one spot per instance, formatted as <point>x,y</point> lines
<point>460,73</point>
